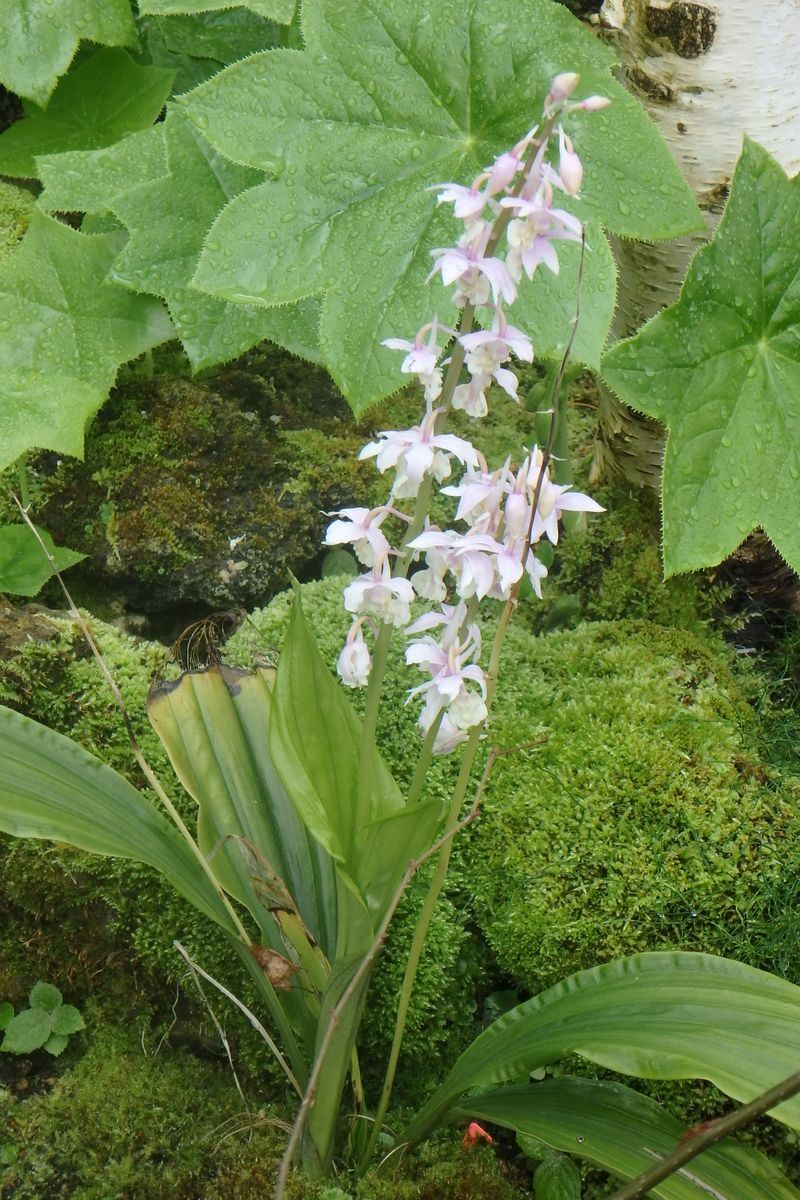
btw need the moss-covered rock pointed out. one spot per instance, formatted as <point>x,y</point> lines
<point>210,494</point>
<point>206,495</point>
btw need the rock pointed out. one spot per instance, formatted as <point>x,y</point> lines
<point>208,494</point>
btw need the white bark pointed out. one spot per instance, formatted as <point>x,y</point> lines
<point>707,73</point>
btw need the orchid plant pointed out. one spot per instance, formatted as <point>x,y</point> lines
<point>503,512</point>
<point>305,843</point>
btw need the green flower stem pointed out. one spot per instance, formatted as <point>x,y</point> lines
<point>418,941</point>
<point>437,882</point>
<point>423,762</point>
<point>440,872</point>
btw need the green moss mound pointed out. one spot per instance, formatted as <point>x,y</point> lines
<point>645,820</point>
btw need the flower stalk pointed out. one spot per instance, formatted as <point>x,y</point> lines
<point>505,511</point>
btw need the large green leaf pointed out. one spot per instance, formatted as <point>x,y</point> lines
<point>40,39</point>
<point>659,1016</point>
<point>88,180</point>
<point>721,368</point>
<point>103,98</point>
<point>168,218</point>
<point>215,727</point>
<point>225,36</point>
<point>274,10</point>
<point>624,1132</point>
<point>52,788</point>
<point>64,331</point>
<point>386,100</point>
<point>24,568</point>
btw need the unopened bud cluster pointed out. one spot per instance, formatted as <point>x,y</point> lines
<point>499,525</point>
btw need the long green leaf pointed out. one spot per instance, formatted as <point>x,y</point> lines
<point>315,740</point>
<point>660,1016</point>
<point>215,727</point>
<point>54,789</point>
<point>625,1133</point>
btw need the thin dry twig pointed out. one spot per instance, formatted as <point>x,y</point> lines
<point>194,971</point>
<point>696,1141</point>
<point>252,1018</point>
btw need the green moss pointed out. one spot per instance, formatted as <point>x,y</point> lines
<point>646,820</point>
<point>16,206</point>
<point>137,1124</point>
<point>127,1124</point>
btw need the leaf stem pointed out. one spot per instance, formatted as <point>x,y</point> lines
<point>24,488</point>
<point>358,977</point>
<point>423,762</point>
<point>417,943</point>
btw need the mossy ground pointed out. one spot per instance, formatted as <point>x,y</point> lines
<point>138,1121</point>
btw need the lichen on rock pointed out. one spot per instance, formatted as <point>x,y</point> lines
<point>207,493</point>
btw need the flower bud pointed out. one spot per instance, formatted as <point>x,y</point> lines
<point>594,103</point>
<point>502,172</point>
<point>354,664</point>
<point>563,86</point>
<point>517,514</point>
<point>569,165</point>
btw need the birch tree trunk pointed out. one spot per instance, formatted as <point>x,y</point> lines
<point>707,73</point>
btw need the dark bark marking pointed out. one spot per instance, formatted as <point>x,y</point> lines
<point>654,88</point>
<point>689,28</point>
